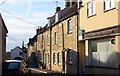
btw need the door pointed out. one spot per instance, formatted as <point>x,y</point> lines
<point>63,61</point>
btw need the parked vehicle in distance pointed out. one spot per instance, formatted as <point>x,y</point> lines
<point>15,67</point>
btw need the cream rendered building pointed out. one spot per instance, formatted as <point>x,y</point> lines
<point>100,25</point>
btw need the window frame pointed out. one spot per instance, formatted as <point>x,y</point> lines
<point>56,37</point>
<point>70,26</point>
<point>54,58</point>
<point>91,8</point>
<point>48,58</point>
<point>58,58</point>
<point>110,5</point>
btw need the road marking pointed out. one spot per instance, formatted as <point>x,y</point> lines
<point>38,70</point>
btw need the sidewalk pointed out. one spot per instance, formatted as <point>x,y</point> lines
<point>45,71</point>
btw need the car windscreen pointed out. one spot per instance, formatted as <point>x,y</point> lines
<point>14,65</point>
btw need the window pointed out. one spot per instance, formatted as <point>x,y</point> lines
<point>69,26</point>
<point>108,4</point>
<point>13,65</point>
<point>39,56</point>
<point>54,58</point>
<point>42,37</point>
<point>48,39</point>
<point>48,58</point>
<point>102,53</point>
<point>91,8</point>
<point>70,57</point>
<point>56,38</point>
<point>58,58</point>
<point>20,53</point>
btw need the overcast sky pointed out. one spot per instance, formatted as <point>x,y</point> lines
<point>14,12</point>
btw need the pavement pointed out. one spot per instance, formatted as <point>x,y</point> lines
<point>44,71</point>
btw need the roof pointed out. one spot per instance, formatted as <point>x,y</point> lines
<point>70,12</point>
<point>32,40</point>
<point>43,29</point>
<point>3,23</point>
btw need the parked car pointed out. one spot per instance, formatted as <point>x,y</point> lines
<point>15,67</point>
<point>20,58</point>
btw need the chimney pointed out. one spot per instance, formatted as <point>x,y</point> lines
<point>38,29</point>
<point>30,39</point>
<point>67,3</point>
<point>58,8</point>
<point>22,44</point>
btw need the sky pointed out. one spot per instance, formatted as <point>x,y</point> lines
<point>22,17</point>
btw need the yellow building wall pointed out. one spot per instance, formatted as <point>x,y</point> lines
<point>117,46</point>
<point>101,19</point>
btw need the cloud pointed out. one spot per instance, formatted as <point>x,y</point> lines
<point>14,40</point>
<point>19,31</point>
<point>43,15</point>
<point>12,1</point>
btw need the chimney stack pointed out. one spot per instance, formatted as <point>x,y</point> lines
<point>58,8</point>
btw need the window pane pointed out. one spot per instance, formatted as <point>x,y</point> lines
<point>91,8</point>
<point>48,58</point>
<point>56,38</point>
<point>112,3</point>
<point>69,26</point>
<point>58,55</point>
<point>14,65</point>
<point>70,57</point>
<point>54,58</point>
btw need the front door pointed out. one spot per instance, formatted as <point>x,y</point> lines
<point>63,61</point>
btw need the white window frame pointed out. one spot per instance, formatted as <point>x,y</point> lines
<point>58,58</point>
<point>54,58</point>
<point>91,8</point>
<point>48,58</point>
<point>109,4</point>
<point>70,26</point>
<point>56,37</point>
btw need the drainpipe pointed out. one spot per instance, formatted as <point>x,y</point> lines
<point>77,45</point>
<point>36,51</point>
<point>78,22</point>
<point>63,53</point>
<point>50,49</point>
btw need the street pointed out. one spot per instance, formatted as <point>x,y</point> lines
<point>37,72</point>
